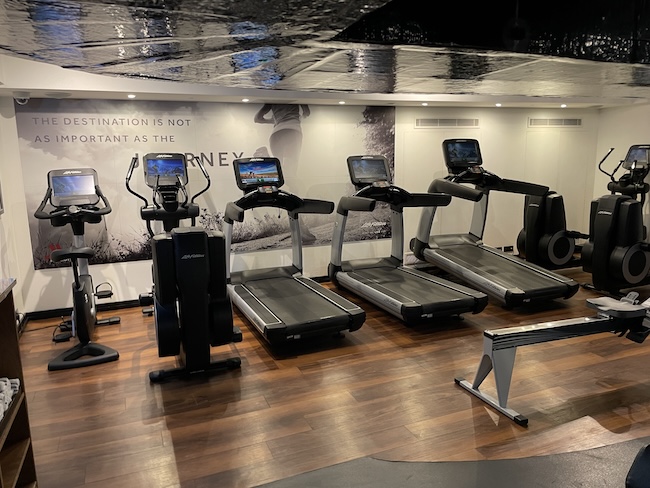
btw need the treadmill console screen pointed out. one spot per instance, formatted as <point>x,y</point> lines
<point>253,173</point>
<point>638,157</point>
<point>368,169</point>
<point>461,153</point>
<point>165,169</point>
<point>73,187</point>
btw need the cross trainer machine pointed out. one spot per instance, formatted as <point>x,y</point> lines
<point>192,310</point>
<point>281,303</point>
<point>544,238</point>
<point>624,317</point>
<point>508,279</point>
<point>409,294</point>
<point>166,175</point>
<point>74,195</point>
<point>617,254</point>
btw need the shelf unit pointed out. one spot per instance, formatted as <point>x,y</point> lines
<point>17,467</point>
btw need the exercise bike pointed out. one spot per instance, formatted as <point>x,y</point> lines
<point>617,253</point>
<point>191,307</point>
<point>74,195</point>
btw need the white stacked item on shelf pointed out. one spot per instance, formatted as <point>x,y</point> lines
<point>8,389</point>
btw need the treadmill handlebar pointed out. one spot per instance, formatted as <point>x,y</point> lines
<point>523,187</point>
<point>455,189</point>
<point>233,213</point>
<point>398,198</point>
<point>293,204</point>
<point>433,199</point>
<point>355,204</point>
<point>312,206</point>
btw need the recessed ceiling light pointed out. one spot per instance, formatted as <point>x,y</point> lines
<point>497,104</point>
<point>341,102</point>
<point>563,105</point>
<point>425,104</point>
<point>130,95</point>
<point>245,100</point>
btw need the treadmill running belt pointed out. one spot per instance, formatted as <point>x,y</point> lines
<point>295,304</point>
<point>493,267</point>
<point>406,287</point>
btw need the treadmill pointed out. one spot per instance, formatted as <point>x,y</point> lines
<point>280,302</point>
<point>504,277</point>
<point>405,292</point>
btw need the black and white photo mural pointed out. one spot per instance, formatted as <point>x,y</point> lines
<point>311,142</point>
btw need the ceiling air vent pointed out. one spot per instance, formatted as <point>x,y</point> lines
<point>429,123</point>
<point>554,122</point>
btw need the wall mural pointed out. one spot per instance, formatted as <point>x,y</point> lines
<point>312,143</point>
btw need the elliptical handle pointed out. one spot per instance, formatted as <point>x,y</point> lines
<point>205,175</point>
<point>129,174</point>
<point>611,176</point>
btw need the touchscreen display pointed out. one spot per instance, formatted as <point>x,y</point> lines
<point>461,152</point>
<point>65,186</point>
<point>164,171</point>
<point>368,170</point>
<point>253,173</point>
<point>637,156</point>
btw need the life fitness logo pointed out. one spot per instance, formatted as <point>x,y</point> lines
<point>164,156</point>
<point>71,172</point>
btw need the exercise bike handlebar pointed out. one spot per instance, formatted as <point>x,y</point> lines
<point>72,210</point>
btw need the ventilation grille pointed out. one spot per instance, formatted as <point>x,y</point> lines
<point>554,122</point>
<point>428,123</point>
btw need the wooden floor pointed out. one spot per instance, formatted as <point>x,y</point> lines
<point>385,391</point>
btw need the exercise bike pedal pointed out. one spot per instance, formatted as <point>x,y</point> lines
<point>62,337</point>
<point>103,294</point>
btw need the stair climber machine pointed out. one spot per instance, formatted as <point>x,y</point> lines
<point>281,303</point>
<point>74,195</point>
<point>617,253</point>
<point>506,278</point>
<point>192,310</point>
<point>407,293</point>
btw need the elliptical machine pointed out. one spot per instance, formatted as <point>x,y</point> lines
<point>191,306</point>
<point>544,238</point>
<point>617,253</point>
<point>74,195</point>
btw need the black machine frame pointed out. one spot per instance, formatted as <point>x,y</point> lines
<point>190,303</point>
<point>282,304</point>
<point>414,296</point>
<point>76,206</point>
<point>504,277</point>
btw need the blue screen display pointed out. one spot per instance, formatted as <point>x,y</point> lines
<point>73,185</point>
<point>259,173</point>
<point>166,168</point>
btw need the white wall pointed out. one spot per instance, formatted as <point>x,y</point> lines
<point>561,158</point>
<point>14,231</point>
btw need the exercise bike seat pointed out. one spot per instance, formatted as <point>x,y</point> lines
<point>72,253</point>
<point>616,308</point>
